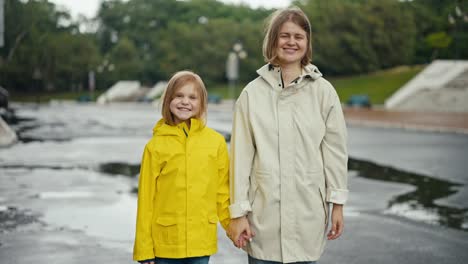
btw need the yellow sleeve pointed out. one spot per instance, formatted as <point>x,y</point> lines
<point>149,171</point>
<point>223,185</point>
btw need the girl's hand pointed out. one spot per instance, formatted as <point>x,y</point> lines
<point>147,262</point>
<point>337,222</point>
<point>239,231</point>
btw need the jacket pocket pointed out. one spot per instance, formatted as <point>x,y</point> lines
<point>211,232</point>
<point>166,230</point>
<point>213,219</point>
<point>261,180</point>
<point>252,194</point>
<point>325,205</point>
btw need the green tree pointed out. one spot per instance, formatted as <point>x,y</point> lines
<point>124,61</point>
<point>360,36</point>
<point>44,49</point>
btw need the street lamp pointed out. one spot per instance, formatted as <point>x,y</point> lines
<point>232,66</point>
<point>102,70</point>
<point>2,23</point>
<point>456,18</point>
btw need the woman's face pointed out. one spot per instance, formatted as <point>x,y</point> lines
<point>292,44</point>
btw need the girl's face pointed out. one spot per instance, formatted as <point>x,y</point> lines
<point>185,104</point>
<point>292,44</point>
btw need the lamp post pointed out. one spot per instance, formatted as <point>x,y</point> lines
<point>456,19</point>
<point>232,66</point>
<point>2,23</point>
<point>104,68</point>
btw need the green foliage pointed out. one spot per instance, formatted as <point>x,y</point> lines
<point>360,36</point>
<point>173,35</point>
<point>439,40</point>
<point>40,53</point>
<point>440,21</point>
<point>378,86</point>
<point>148,40</point>
<point>124,57</point>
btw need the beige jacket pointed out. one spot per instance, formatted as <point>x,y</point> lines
<point>289,160</point>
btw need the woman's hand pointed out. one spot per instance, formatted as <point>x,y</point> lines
<point>337,222</point>
<point>239,231</point>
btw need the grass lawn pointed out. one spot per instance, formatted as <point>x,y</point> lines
<point>224,90</point>
<point>378,86</point>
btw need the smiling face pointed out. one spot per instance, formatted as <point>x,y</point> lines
<point>185,103</point>
<point>292,44</point>
<point>288,37</point>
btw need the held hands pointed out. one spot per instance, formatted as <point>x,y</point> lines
<point>337,222</point>
<point>239,231</point>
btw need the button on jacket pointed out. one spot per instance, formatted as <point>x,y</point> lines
<point>289,160</point>
<point>183,191</point>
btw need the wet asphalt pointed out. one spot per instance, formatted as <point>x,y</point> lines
<point>67,190</point>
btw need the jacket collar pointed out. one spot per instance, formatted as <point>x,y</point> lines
<point>163,129</point>
<point>272,74</point>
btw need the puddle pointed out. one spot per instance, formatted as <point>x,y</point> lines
<point>116,168</point>
<point>12,217</point>
<point>27,128</point>
<point>419,204</point>
<point>37,167</point>
<point>64,195</point>
<point>125,169</point>
<point>94,219</point>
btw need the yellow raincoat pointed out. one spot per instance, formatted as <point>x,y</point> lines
<point>183,192</point>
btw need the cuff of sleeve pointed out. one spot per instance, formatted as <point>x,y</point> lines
<point>143,255</point>
<point>225,223</point>
<point>337,196</point>
<point>146,261</point>
<point>239,209</point>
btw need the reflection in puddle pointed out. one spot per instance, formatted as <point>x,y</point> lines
<point>37,167</point>
<point>12,217</point>
<point>94,219</point>
<point>419,204</point>
<point>129,170</point>
<point>26,127</point>
<point>115,168</point>
<point>64,195</point>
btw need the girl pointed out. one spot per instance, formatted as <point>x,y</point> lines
<point>289,158</point>
<point>184,184</point>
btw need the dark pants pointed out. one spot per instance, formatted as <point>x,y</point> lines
<point>194,260</point>
<point>259,261</point>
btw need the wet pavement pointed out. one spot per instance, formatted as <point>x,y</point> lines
<point>411,120</point>
<point>68,189</point>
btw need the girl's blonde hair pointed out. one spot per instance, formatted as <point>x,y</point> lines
<point>178,80</point>
<point>273,26</point>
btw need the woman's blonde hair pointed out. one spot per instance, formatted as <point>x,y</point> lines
<point>273,26</point>
<point>178,80</point>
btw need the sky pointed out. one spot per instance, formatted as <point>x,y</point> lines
<point>89,7</point>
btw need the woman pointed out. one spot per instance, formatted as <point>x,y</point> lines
<point>289,157</point>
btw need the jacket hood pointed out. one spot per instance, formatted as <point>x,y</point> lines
<point>162,128</point>
<point>272,74</point>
